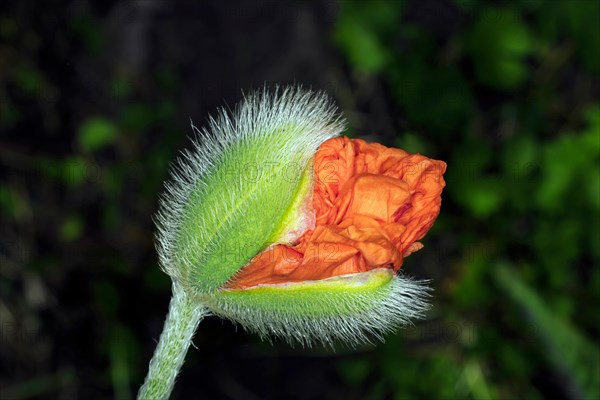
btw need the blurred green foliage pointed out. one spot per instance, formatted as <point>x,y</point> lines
<point>498,44</point>
<point>490,97</point>
<point>96,133</point>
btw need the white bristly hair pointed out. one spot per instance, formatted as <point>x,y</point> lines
<point>349,318</point>
<point>306,119</point>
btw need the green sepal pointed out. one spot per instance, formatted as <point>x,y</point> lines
<point>351,308</point>
<point>240,187</point>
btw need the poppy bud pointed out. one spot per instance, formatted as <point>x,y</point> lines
<point>275,224</point>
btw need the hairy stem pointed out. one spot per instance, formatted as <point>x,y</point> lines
<point>182,321</point>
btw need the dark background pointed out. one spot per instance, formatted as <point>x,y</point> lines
<point>96,99</point>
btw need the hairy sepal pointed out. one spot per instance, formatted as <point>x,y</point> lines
<point>229,196</point>
<point>352,309</point>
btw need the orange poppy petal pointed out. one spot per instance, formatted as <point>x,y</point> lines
<point>372,204</point>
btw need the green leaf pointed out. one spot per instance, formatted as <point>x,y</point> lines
<point>498,45</point>
<point>71,228</point>
<point>96,134</point>
<point>571,353</point>
<point>569,164</point>
<point>577,21</point>
<point>72,170</point>
<point>362,31</point>
<point>362,46</point>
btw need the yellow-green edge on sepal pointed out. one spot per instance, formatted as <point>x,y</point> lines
<point>311,298</point>
<point>353,309</point>
<point>299,216</point>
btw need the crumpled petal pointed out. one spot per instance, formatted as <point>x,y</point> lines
<point>372,204</point>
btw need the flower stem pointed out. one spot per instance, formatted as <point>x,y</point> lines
<point>182,321</point>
